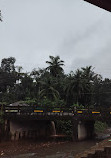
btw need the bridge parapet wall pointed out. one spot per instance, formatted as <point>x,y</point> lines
<point>35,112</point>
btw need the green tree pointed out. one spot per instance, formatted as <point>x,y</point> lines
<point>0,16</point>
<point>48,90</point>
<point>26,86</point>
<point>7,74</point>
<point>55,66</point>
<point>7,64</point>
<point>80,86</point>
<point>74,87</point>
<point>103,93</point>
<point>88,77</point>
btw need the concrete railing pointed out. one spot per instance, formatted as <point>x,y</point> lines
<point>55,111</point>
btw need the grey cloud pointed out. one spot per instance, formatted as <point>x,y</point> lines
<point>34,29</point>
<point>100,61</point>
<point>72,40</point>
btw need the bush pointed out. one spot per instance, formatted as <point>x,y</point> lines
<point>64,127</point>
<point>77,106</point>
<point>100,126</point>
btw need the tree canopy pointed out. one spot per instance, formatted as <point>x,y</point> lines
<point>0,16</point>
<point>51,85</point>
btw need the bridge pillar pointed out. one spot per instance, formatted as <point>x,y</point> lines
<point>83,130</point>
<point>7,129</point>
<point>89,125</point>
<point>53,128</point>
<point>74,130</point>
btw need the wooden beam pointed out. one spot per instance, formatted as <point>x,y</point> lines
<point>105,4</point>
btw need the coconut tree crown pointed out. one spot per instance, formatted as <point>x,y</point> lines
<point>55,66</point>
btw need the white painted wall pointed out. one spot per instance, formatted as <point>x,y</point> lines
<point>82,132</point>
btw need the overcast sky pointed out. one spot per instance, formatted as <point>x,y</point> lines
<point>77,31</point>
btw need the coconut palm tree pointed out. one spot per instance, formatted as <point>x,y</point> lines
<point>88,76</point>
<point>55,66</point>
<point>48,90</point>
<point>74,88</point>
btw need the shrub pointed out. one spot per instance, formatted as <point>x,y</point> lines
<point>100,126</point>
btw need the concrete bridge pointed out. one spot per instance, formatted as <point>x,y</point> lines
<point>20,118</point>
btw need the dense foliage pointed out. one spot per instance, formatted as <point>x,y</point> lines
<point>51,86</point>
<point>64,127</point>
<point>100,126</point>
<point>0,16</point>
